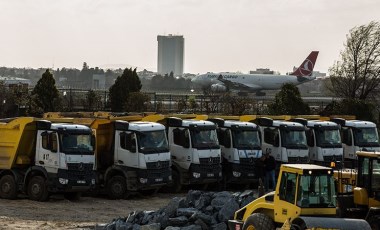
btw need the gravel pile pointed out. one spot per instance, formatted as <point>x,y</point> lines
<point>197,211</point>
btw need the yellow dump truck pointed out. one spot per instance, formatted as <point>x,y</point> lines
<point>131,155</point>
<point>38,158</point>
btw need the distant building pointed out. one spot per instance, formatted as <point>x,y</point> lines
<point>13,82</point>
<point>170,54</point>
<point>98,81</point>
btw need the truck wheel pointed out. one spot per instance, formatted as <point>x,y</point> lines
<point>8,187</point>
<point>72,195</point>
<point>37,189</point>
<point>258,221</point>
<point>117,187</point>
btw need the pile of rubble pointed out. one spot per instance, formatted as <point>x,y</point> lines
<point>197,211</point>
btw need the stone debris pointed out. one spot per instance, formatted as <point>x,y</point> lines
<point>197,211</point>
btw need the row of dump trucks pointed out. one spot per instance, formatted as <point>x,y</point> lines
<point>121,155</point>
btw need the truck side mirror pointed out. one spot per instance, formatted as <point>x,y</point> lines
<point>131,143</point>
<point>93,142</point>
<point>347,139</point>
<point>276,141</point>
<point>227,139</point>
<point>184,139</point>
<point>52,142</point>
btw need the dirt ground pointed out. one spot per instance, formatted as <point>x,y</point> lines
<point>59,213</point>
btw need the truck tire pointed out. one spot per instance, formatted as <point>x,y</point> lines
<point>8,187</point>
<point>117,187</point>
<point>37,189</point>
<point>72,195</point>
<point>258,221</point>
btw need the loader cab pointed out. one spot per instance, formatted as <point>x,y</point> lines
<point>308,190</point>
<point>367,191</point>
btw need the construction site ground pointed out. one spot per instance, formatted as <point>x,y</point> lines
<point>86,213</point>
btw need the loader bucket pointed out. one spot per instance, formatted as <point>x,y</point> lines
<point>329,223</point>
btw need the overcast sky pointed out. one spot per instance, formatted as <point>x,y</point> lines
<point>220,35</point>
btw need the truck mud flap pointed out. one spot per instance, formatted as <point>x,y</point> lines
<point>329,223</point>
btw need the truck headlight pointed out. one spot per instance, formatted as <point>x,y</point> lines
<point>196,175</point>
<point>236,174</point>
<point>143,180</point>
<point>63,181</point>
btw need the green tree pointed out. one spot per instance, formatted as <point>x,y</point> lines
<point>45,93</point>
<point>357,74</point>
<point>361,109</point>
<point>92,100</point>
<point>3,98</point>
<point>125,84</point>
<point>288,102</point>
<point>137,102</point>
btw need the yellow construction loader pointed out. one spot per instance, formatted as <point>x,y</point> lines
<point>358,189</point>
<point>305,198</point>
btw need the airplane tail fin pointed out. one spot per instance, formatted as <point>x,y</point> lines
<point>307,66</point>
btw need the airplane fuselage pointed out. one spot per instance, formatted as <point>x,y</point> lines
<point>248,82</point>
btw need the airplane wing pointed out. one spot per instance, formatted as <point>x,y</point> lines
<point>239,86</point>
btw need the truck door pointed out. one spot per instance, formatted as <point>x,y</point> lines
<point>180,147</point>
<point>47,151</point>
<point>271,142</point>
<point>348,143</point>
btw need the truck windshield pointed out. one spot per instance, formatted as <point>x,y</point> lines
<point>75,143</point>
<point>366,137</point>
<point>152,141</point>
<point>204,139</point>
<point>316,191</point>
<point>328,138</point>
<point>293,139</point>
<point>246,139</point>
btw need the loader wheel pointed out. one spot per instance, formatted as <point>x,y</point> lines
<point>8,187</point>
<point>117,187</point>
<point>37,189</point>
<point>258,221</point>
<point>374,222</point>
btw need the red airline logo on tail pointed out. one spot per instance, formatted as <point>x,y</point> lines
<point>307,66</point>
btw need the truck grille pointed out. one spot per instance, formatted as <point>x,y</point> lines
<point>298,160</point>
<point>332,158</point>
<point>248,164</point>
<point>209,161</point>
<point>157,165</point>
<point>209,165</point>
<point>79,169</point>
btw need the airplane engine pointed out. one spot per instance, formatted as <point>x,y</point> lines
<point>218,88</point>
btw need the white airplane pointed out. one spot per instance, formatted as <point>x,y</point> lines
<point>250,83</point>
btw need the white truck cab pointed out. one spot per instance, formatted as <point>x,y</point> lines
<point>356,136</point>
<point>195,151</point>
<point>284,140</point>
<point>323,139</point>
<point>241,150</point>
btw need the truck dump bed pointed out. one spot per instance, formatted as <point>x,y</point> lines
<point>17,142</point>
